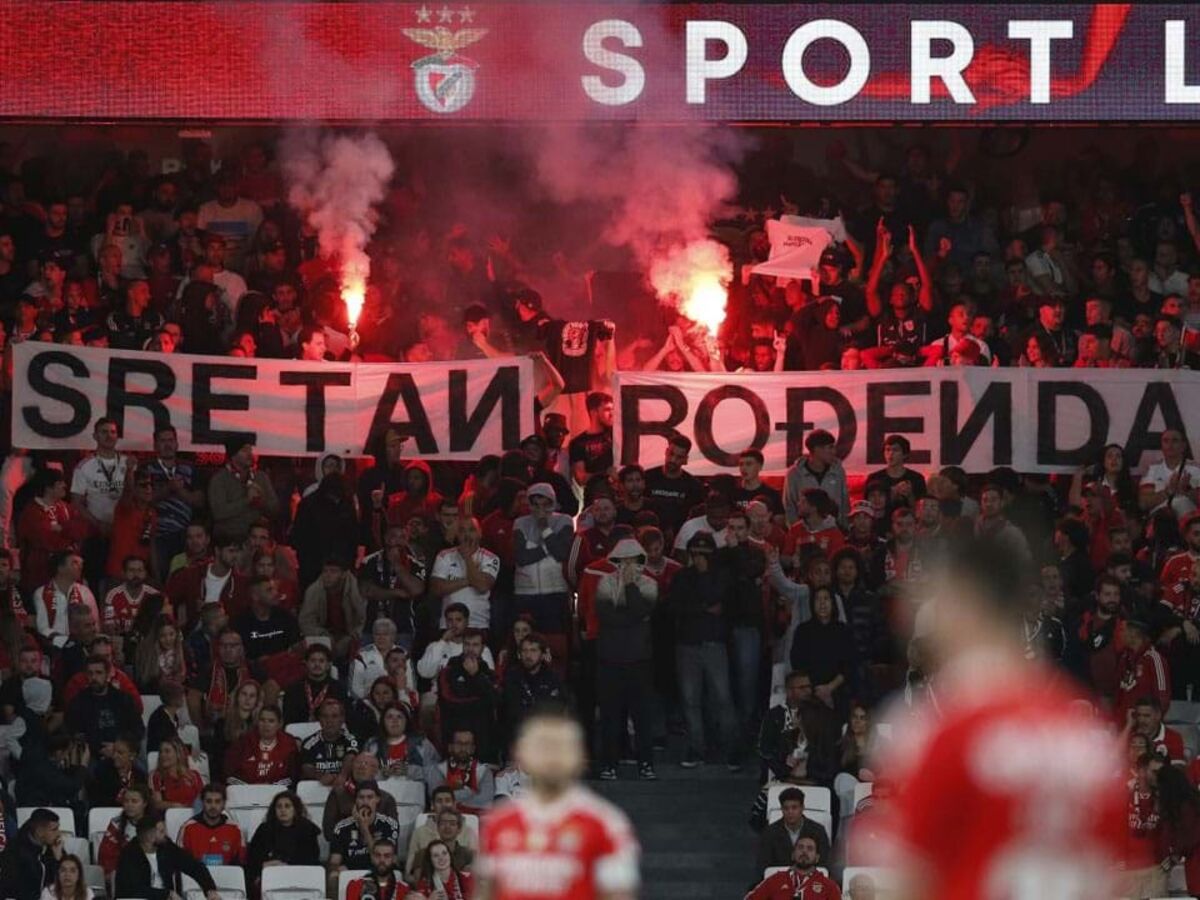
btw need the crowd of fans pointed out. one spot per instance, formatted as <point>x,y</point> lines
<point>370,647</point>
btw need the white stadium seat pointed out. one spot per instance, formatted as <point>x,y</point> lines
<point>248,818</point>
<point>345,877</point>
<point>66,816</point>
<point>293,882</point>
<point>93,876</point>
<point>312,794</point>
<point>405,791</point>
<point>78,846</point>
<point>247,795</point>
<point>862,791</point>
<point>98,819</point>
<point>175,819</point>
<point>150,702</point>
<point>230,881</point>
<point>816,798</point>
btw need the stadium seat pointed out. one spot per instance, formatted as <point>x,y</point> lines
<point>884,878</point>
<point>1191,738</point>
<point>313,794</point>
<point>405,791</point>
<point>66,816</point>
<point>150,702</point>
<point>322,849</point>
<point>818,798</point>
<point>78,846</point>
<point>190,735</point>
<point>175,818</point>
<point>301,730</point>
<point>93,876</point>
<point>98,819</point>
<point>824,819</point>
<point>248,818</point>
<point>247,795</point>
<point>345,877</point>
<point>230,881</point>
<point>862,791</point>
<point>293,882</point>
<point>1183,711</point>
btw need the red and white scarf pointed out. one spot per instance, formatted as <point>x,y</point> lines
<point>453,887</point>
<point>49,592</point>
<point>459,776</point>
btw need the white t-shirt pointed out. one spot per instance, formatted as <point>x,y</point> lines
<point>1159,474</point>
<point>236,223</point>
<point>449,566</point>
<point>156,880</point>
<point>1040,263</point>
<point>1175,283</point>
<point>100,483</point>
<point>214,585</point>
<point>232,286</point>
<point>692,527</point>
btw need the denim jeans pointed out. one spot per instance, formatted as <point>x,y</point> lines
<point>746,648</point>
<point>704,680</point>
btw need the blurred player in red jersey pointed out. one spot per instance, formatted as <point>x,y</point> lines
<point>1011,790</point>
<point>559,841</point>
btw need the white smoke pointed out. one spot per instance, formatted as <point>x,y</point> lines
<point>663,187</point>
<point>334,181</point>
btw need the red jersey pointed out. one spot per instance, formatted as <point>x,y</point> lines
<point>133,528</point>
<point>1142,831</point>
<point>247,761</point>
<point>1144,674</point>
<point>1168,744</point>
<point>796,885</point>
<point>1013,791</point>
<point>829,539</point>
<point>576,848</point>
<point>219,845</point>
<point>177,789</point>
<point>1175,578</point>
<point>120,609</point>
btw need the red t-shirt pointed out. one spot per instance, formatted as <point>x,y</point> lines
<point>132,531</point>
<point>829,540</point>
<point>1142,832</point>
<point>1013,791</point>
<point>578,848</point>
<point>792,885</point>
<point>120,609</point>
<point>1175,578</point>
<point>250,762</point>
<point>213,846</point>
<point>1143,674</point>
<point>178,789</point>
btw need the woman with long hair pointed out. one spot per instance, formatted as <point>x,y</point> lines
<point>824,647</point>
<point>160,656</point>
<point>143,624</point>
<point>286,837</point>
<point>69,883</point>
<point>1163,539</point>
<point>174,783</point>
<point>438,873</point>
<point>395,746</point>
<point>522,627</point>
<point>1179,818</point>
<point>853,748</point>
<point>365,714</point>
<point>1109,476</point>
<point>242,710</point>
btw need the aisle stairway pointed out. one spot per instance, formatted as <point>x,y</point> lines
<point>692,826</point>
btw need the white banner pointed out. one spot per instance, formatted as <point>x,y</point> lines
<point>1034,420</point>
<point>451,410</point>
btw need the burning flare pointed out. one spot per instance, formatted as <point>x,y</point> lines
<point>705,302</point>
<point>354,292</point>
<point>694,276</point>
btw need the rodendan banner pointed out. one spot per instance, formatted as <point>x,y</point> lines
<point>450,410</point>
<point>1034,420</point>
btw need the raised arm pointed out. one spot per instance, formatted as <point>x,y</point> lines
<point>925,297</point>
<point>883,249</point>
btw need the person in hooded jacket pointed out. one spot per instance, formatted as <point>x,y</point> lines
<point>625,600</point>
<point>206,319</point>
<point>419,497</point>
<point>326,525</point>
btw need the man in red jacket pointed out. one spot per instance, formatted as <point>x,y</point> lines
<point>1144,672</point>
<point>1176,572</point>
<point>214,581</point>
<point>212,837</point>
<point>802,881</point>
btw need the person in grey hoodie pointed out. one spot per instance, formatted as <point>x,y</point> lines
<point>625,600</point>
<point>820,469</point>
<point>541,543</point>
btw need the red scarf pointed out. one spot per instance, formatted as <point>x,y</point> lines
<point>462,776</point>
<point>314,703</point>
<point>453,887</point>
<point>218,687</point>
<point>74,595</point>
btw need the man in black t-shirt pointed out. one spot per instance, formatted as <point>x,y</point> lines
<point>591,451</point>
<point>672,490</point>
<point>303,698</point>
<point>265,628</point>
<point>751,487</point>
<point>904,486</point>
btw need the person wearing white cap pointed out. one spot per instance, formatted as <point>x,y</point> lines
<point>625,602</point>
<point>541,543</point>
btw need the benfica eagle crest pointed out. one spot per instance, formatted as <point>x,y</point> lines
<point>444,80</point>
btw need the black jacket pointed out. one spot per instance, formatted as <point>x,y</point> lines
<point>775,844</point>
<point>44,783</point>
<point>523,691</point>
<point>133,871</point>
<point>26,867</point>
<point>102,718</point>
<point>294,846</point>
<point>691,596</point>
